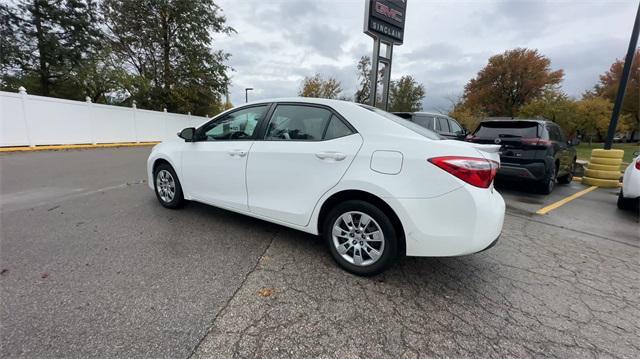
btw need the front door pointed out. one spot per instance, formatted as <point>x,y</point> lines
<point>214,166</point>
<point>305,151</point>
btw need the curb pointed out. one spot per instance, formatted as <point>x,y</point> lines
<point>75,147</point>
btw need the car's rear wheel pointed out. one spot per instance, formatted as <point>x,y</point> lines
<point>566,179</point>
<point>549,182</point>
<point>361,238</point>
<point>167,186</point>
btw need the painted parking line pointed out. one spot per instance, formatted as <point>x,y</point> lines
<point>562,202</point>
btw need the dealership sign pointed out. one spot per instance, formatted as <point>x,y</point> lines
<point>384,19</point>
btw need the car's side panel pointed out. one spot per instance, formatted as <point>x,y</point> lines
<point>286,178</point>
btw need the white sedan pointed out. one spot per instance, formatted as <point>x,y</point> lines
<point>374,185</point>
<point>629,196</point>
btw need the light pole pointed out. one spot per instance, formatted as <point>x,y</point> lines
<point>246,94</point>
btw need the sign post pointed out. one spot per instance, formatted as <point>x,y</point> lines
<point>384,22</point>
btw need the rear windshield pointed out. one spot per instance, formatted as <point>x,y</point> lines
<point>406,123</point>
<point>495,129</point>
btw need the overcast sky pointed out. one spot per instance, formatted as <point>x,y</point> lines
<point>279,42</point>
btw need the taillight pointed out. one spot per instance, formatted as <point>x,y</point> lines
<point>475,171</point>
<point>638,163</point>
<point>536,142</point>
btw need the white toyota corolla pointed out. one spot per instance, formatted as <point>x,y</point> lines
<point>374,185</point>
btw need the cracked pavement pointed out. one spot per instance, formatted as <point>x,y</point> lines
<point>540,292</point>
<point>96,268</point>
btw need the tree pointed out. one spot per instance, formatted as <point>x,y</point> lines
<point>608,85</point>
<point>468,117</point>
<point>317,86</point>
<point>406,95</point>
<point>509,81</point>
<point>555,106</point>
<point>166,46</point>
<point>594,114</point>
<point>48,41</point>
<point>364,78</point>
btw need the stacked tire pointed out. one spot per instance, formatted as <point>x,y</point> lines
<point>603,169</point>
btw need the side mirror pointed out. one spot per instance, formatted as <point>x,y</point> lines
<point>187,134</point>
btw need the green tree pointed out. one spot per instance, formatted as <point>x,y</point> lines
<point>166,47</point>
<point>406,95</point>
<point>46,41</point>
<point>555,106</point>
<point>319,87</point>
<point>364,79</point>
<point>510,80</point>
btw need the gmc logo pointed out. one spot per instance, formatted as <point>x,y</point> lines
<point>393,14</point>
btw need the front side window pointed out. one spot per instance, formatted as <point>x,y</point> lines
<point>455,128</point>
<point>444,124</point>
<point>237,125</point>
<point>297,123</point>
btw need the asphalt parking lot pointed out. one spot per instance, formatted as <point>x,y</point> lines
<point>93,266</point>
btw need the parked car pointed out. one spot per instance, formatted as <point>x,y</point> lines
<point>629,196</point>
<point>445,126</point>
<point>536,151</point>
<point>374,185</point>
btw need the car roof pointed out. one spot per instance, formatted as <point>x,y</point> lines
<point>423,113</point>
<point>507,119</point>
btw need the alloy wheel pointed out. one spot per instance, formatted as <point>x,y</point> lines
<point>358,238</point>
<point>166,186</point>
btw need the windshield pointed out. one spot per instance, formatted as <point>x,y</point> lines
<point>405,123</point>
<point>495,129</point>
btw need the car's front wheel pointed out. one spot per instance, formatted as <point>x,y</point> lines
<point>167,186</point>
<point>566,179</point>
<point>361,237</point>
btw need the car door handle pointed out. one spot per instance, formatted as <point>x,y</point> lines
<point>239,153</point>
<point>336,156</point>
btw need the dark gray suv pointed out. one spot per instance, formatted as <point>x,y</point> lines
<point>444,125</point>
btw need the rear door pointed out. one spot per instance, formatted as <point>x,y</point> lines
<point>305,151</point>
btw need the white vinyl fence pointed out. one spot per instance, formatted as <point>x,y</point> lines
<point>28,120</point>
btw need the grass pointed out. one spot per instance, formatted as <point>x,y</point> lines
<point>584,150</point>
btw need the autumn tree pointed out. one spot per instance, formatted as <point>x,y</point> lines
<point>405,95</point>
<point>510,80</point>
<point>319,87</point>
<point>608,85</point>
<point>467,116</point>
<point>166,47</point>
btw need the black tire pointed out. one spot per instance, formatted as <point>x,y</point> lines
<point>548,183</point>
<point>628,204</point>
<point>177,200</point>
<point>389,250</point>
<point>566,179</point>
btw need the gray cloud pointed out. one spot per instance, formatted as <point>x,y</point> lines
<point>279,42</point>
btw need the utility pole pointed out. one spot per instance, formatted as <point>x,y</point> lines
<point>246,94</point>
<point>633,43</point>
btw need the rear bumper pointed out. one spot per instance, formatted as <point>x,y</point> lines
<point>464,221</point>
<point>532,171</point>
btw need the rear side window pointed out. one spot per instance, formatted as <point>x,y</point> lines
<point>405,123</point>
<point>336,129</point>
<point>495,129</point>
<point>298,123</point>
<point>424,121</point>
